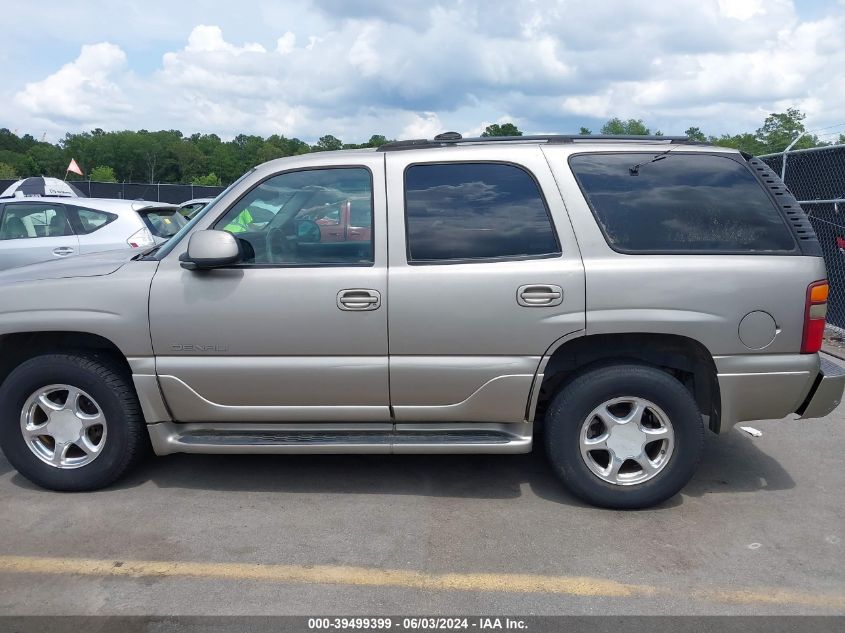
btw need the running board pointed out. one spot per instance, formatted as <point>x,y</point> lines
<point>169,437</point>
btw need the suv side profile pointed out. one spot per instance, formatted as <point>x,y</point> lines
<point>624,295</point>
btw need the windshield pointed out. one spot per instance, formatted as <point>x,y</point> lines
<point>167,248</point>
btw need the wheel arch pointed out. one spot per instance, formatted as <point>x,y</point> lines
<point>689,361</point>
<point>18,347</point>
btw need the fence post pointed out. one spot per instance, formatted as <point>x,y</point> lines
<point>786,154</point>
<point>158,192</point>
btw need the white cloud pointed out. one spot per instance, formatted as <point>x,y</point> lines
<point>85,91</point>
<point>285,43</point>
<point>419,67</point>
<point>741,9</point>
<point>425,125</point>
<point>209,39</point>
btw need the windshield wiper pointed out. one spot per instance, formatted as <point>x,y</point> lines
<point>149,252</point>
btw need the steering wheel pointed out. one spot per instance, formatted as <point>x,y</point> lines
<point>279,246</point>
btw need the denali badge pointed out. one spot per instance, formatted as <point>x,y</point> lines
<point>198,348</point>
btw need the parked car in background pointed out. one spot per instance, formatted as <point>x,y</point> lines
<point>346,220</point>
<point>36,229</point>
<point>162,221</point>
<point>190,208</point>
<point>626,294</point>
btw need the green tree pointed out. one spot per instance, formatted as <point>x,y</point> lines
<point>377,140</point>
<point>503,129</point>
<point>7,172</point>
<point>49,159</point>
<point>102,173</point>
<point>695,134</point>
<point>630,127</point>
<point>209,180</point>
<point>23,164</point>
<point>781,128</point>
<point>746,142</point>
<point>328,143</point>
<point>585,131</point>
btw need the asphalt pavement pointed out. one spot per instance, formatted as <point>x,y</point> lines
<point>758,530</point>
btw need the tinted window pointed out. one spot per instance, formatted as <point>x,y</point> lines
<point>91,220</point>
<point>464,211</point>
<point>305,218</point>
<point>680,202</point>
<point>32,220</point>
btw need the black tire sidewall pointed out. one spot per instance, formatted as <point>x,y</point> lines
<point>575,402</point>
<point>55,369</point>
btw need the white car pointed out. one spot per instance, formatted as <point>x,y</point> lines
<point>190,208</point>
<point>36,229</point>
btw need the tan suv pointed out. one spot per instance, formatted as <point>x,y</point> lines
<point>624,295</point>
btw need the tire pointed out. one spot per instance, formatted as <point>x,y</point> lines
<point>104,387</point>
<point>613,393</point>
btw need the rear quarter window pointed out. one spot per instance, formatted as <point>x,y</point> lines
<point>90,220</point>
<point>666,202</point>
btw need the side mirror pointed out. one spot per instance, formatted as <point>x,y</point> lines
<point>211,249</point>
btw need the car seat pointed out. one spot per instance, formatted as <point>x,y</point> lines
<point>58,226</point>
<point>14,229</point>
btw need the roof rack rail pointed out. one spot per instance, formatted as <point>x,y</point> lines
<point>452,138</point>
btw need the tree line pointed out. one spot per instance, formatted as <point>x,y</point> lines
<point>168,156</point>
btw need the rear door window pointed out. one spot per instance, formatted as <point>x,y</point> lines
<point>475,211</point>
<point>668,202</point>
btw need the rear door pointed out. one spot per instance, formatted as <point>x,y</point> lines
<point>484,277</point>
<point>33,232</point>
<point>95,230</point>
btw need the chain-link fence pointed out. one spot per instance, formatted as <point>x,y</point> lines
<point>156,192</point>
<point>817,179</point>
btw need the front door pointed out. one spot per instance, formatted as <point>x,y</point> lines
<point>32,232</point>
<point>485,276</point>
<point>298,331</point>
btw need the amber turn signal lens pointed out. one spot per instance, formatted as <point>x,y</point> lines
<point>819,293</point>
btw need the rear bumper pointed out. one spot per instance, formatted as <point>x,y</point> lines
<point>773,386</point>
<point>826,392</point>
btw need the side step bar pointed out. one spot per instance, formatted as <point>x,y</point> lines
<point>169,437</point>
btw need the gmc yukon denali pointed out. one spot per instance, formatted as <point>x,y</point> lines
<point>616,297</point>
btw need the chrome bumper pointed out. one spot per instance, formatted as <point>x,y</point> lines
<point>826,392</point>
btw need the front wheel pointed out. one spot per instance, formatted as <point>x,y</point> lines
<point>70,422</point>
<point>624,436</point>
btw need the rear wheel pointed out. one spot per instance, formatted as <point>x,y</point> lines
<point>624,436</point>
<point>70,422</point>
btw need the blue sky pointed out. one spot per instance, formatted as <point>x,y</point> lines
<point>418,67</point>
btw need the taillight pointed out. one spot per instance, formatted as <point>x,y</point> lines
<point>141,239</point>
<point>815,311</point>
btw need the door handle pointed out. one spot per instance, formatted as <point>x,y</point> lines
<point>358,299</point>
<point>539,295</point>
<point>62,251</point>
